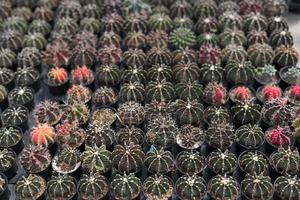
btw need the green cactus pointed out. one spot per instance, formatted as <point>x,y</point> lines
<point>211,72</point>
<point>132,92</point>
<point>47,112</point>
<point>20,96</point>
<point>234,52</point>
<point>10,136</point>
<point>108,75</point>
<point>275,8</point>
<point>188,90</point>
<point>190,137</point>
<point>125,186</point>
<point>159,55</point>
<point>182,37</point>
<point>15,23</point>
<point>254,21</point>
<point>36,40</point>
<point>90,24</point>
<point>266,75</point>
<point>160,72</point>
<point>93,186</point>
<point>188,112</point>
<point>134,57</point>
<point>68,160</point>
<point>160,90</point>
<point>285,56</point>
<point>158,187</point>
<point>223,187</point>
<point>100,134</point>
<point>29,57</point>
<point>250,136</point>
<point>7,58</point>
<point>216,114</point>
<point>190,162</point>
<point>183,22</point>
<point>206,25</point>
<point>225,6</point>
<point>180,8</point>
<point>207,39</point>
<point>136,23</point>
<point>133,74</point>
<point>159,161</point>
<point>129,135</point>
<point>30,187</point>
<point>39,26</point>
<point>186,71</point>
<point>160,21</point>
<point>190,187</point>
<point>279,38</point>
<point>222,162</point>
<point>66,26</point>
<point>136,40</point>
<point>239,72</point>
<point>7,159</point>
<point>61,186</point>
<point>204,8</point>
<point>277,23</point>
<point>260,54</point>
<point>131,113</point>
<point>158,38</point>
<point>77,112</point>
<point>112,22</point>
<point>15,115</point>
<point>230,20</point>
<point>156,109</point>
<point>11,39</point>
<point>287,187</point>
<point>228,37</point>
<point>253,162</point>
<point>246,112</point>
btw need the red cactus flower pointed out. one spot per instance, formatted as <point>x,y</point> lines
<point>295,92</point>
<point>58,75</point>
<point>279,138</point>
<point>43,135</point>
<point>209,54</point>
<point>242,93</point>
<point>82,75</point>
<point>271,92</point>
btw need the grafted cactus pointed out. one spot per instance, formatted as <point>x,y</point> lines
<point>190,137</point>
<point>43,135</point>
<point>222,162</point>
<point>253,162</point>
<point>47,112</point>
<point>217,114</point>
<point>190,162</point>
<point>30,187</point>
<point>215,94</point>
<point>241,94</point>
<point>287,187</point>
<point>158,187</point>
<point>246,112</point>
<point>268,93</point>
<point>279,137</point>
<point>61,186</point>
<point>250,136</point>
<point>293,94</point>
<point>239,72</point>
<point>159,161</point>
<point>223,187</point>
<point>57,76</point>
<point>190,187</point>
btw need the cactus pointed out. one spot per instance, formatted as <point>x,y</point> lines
<point>223,187</point>
<point>131,113</point>
<point>70,9</point>
<point>99,134</point>
<point>253,162</point>
<point>160,72</point>
<point>23,12</point>
<point>225,6</point>
<point>92,10</point>
<point>233,53</point>
<point>158,187</point>
<point>125,186</point>
<point>30,187</point>
<point>35,159</point>
<point>15,115</point>
<point>158,108</point>
<point>290,75</point>
<point>217,114</point>
<point>6,76</point>
<point>293,94</point>
<point>208,39</point>
<point>15,23</point>
<point>215,94</point>
<point>252,6</point>
<point>158,38</point>
<point>135,40</point>
<point>78,94</point>
<point>83,55</point>
<point>255,21</point>
<point>105,96</point>
<point>250,136</point>
<point>206,25</point>
<point>210,73</point>
<point>39,26</point>
<point>134,57</point>
<point>159,55</point>
<point>90,24</point>
<point>85,38</point>
<point>204,8</point>
<point>137,7</point>
<point>278,112</point>
<point>57,76</point>
<point>11,39</point>
<point>132,92</point>
<point>96,159</point>
<point>183,22</point>
<point>82,75</point>
<point>269,93</point>
<point>128,158</point>
<point>190,162</point>
<point>285,56</point>
<point>190,137</point>
<point>190,187</point>
<point>182,37</point>
<point>186,71</point>
<point>260,54</point>
<point>57,54</point>
<point>36,40</point>
<point>29,57</point>
<point>128,135</point>
<point>93,186</point>
<point>47,3</point>
<point>5,9</point>
<point>133,74</point>
<point>109,55</point>
<point>188,90</point>
<point>285,161</point>
<point>69,134</point>
<point>43,135</point>
<point>246,112</point>
<point>220,135</point>
<point>222,162</point>
<point>43,13</point>
<point>108,75</point>
<point>275,8</point>
<point>110,39</point>
<point>160,91</point>
<point>230,20</point>
<point>7,159</point>
<point>61,186</point>
<point>159,161</point>
<point>257,187</point>
<point>47,112</point>
<point>266,75</point>
<point>228,37</point>
<point>255,36</point>
<point>112,22</point>
<point>281,38</point>
<point>66,26</point>
<point>239,72</point>
<point>241,94</point>
<point>185,55</point>
<point>67,160</point>
<point>160,22</point>
<point>277,23</point>
<point>136,23</point>
<point>279,137</point>
<point>188,112</point>
<point>7,58</point>
<point>287,187</point>
<point>77,112</point>
<point>180,8</point>
<point>209,54</point>
<point>104,116</point>
<point>10,136</point>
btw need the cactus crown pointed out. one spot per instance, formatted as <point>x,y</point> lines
<point>7,159</point>
<point>294,93</point>
<point>57,76</point>
<point>82,75</point>
<point>30,187</point>
<point>61,186</point>
<point>190,162</point>
<point>287,187</point>
<point>253,162</point>
<point>43,135</point>
<point>93,186</point>
<point>10,136</point>
<point>241,93</point>
<point>47,112</point>
<point>190,187</point>
<point>270,92</point>
<point>222,162</point>
<point>69,134</point>
<point>131,113</point>
<point>215,93</point>
<point>159,161</point>
<point>190,137</point>
<point>291,75</point>
<point>68,159</point>
<point>158,187</point>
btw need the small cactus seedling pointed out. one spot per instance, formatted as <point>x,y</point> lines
<point>190,162</point>
<point>209,55</point>
<point>7,58</point>
<point>61,186</point>
<point>285,56</point>
<point>190,137</point>
<point>266,75</point>
<point>190,187</point>
<point>131,113</point>
<point>43,135</point>
<point>215,94</point>
<point>47,112</point>
<point>30,187</point>
<point>159,55</point>
<point>287,187</point>
<point>241,94</point>
<point>159,161</point>
<point>134,57</point>
<point>279,137</point>
<point>128,135</point>
<point>257,187</point>
<point>109,55</point>
<point>93,186</point>
<point>269,93</point>
<point>260,54</point>
<point>216,114</point>
<point>7,159</point>
<point>108,75</point>
<point>222,162</point>
<point>57,76</point>
<point>252,162</point>
<point>35,159</point>
<point>250,136</point>
<point>67,160</point>
<point>239,72</point>
<point>293,94</point>
<point>78,94</point>
<point>246,112</point>
<point>158,187</point>
<point>82,75</point>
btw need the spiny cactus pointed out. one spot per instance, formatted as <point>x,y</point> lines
<point>57,76</point>
<point>190,187</point>
<point>57,54</point>
<point>159,55</point>
<point>43,135</point>
<point>112,22</point>
<point>253,162</point>
<point>277,23</point>
<point>186,71</point>
<point>211,72</point>
<point>78,94</point>
<point>132,92</point>
<point>207,39</point>
<point>90,24</point>
<point>135,40</point>
<point>43,13</point>
<point>241,94</point>
<point>190,162</point>
<point>93,186</point>
<point>234,52</point>
<point>125,186</point>
<point>281,38</point>
<point>65,26</point>
<point>29,57</point>
<point>255,36</point>
<point>260,54</point>
<point>82,75</point>
<point>137,7</point>
<point>250,136</point>
<point>279,137</point>
<point>158,187</point>
<point>7,159</point>
<point>77,112</point>
<point>131,113</point>
<point>160,21</point>
<point>215,94</point>
<point>206,25</point>
<point>104,116</point>
<point>228,37</point>
<point>6,76</point>
<point>92,9</point>
<point>188,90</point>
<point>3,94</point>
<point>35,159</point>
<point>190,137</point>
<point>68,159</point>
<point>30,187</point>
<point>222,162</point>
<point>295,125</point>
<point>285,161</point>
<point>204,8</point>
<point>61,186</point>
<point>182,37</point>
<point>160,72</point>
<point>108,75</point>
<point>159,161</point>
<point>275,8</point>
<point>99,134</point>
<point>109,55</point>
<point>223,187</point>
<point>128,135</point>
<point>105,96</point>
<point>39,26</point>
<point>285,56</point>
<point>136,23</point>
<point>239,72</point>
<point>246,112</point>
<point>70,9</point>
<point>110,39</point>
<point>133,74</point>
<point>15,23</point>
<point>266,75</point>
<point>254,21</point>
<point>20,96</point>
<point>47,3</point>
<point>252,6</point>
<point>287,187</point>
<point>290,75</point>
<point>160,91</point>
<point>69,134</point>
<point>188,112</point>
<point>36,40</point>
<point>10,136</point>
<point>230,20</point>
<point>181,8</point>
<point>7,58</point>
<point>269,93</point>
<point>257,187</point>
<point>217,114</point>
<point>293,94</point>
<point>47,112</point>
<point>15,115</point>
<point>83,55</point>
<point>183,22</point>
<point>158,39</point>
<point>23,12</point>
<point>11,39</point>
<point>158,108</point>
<point>6,9</point>
<point>134,57</point>
<point>225,6</point>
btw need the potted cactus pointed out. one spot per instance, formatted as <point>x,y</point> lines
<point>211,72</point>
<point>104,116</point>
<point>209,55</point>
<point>188,90</point>
<point>160,91</point>
<point>77,112</point>
<point>277,23</point>
<point>6,78</point>
<point>125,187</point>
<point>160,72</point>
<point>233,53</point>
<point>8,58</point>
<point>3,97</point>
<point>256,186</point>
<point>295,126</point>
<point>219,162</point>
<point>11,137</point>
<point>290,75</point>
<point>133,74</point>
<point>217,114</point>
<point>240,94</point>
<point>190,162</point>
<point>281,38</point>
<point>215,94</point>
<point>186,55</point>
<point>232,36</point>
<point>182,37</point>
<point>82,75</point>
<point>206,24</point>
<point>16,116</point>
<point>93,186</point>
<point>285,56</point>
<point>260,54</point>
<point>131,113</point>
<point>287,187</point>
<point>249,136</point>
<point>190,137</point>
<point>279,137</point>
<point>188,112</point>
<point>266,75</point>
<point>27,76</point>
<point>190,187</point>
<point>23,96</point>
<point>134,57</point>
<point>31,186</point>
<point>132,92</point>
<point>268,93</point>
<point>105,96</point>
<point>57,80</point>
<point>223,187</point>
<point>108,75</point>
<point>62,187</point>
<point>246,112</point>
<point>129,135</point>
<point>156,109</point>
<point>207,39</point>
<point>100,134</point>
<point>44,135</point>
<point>48,112</point>
<point>8,162</point>
<point>158,187</point>
<point>29,57</point>
<point>159,161</point>
<point>292,93</point>
<point>255,36</point>
<point>78,94</point>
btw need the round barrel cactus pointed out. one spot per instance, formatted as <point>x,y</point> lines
<point>67,160</point>
<point>159,161</point>
<point>93,186</point>
<point>6,9</point>
<point>131,113</point>
<point>260,54</point>
<point>277,23</point>
<point>230,20</point>
<point>128,135</point>
<point>217,114</point>
<point>105,96</point>
<point>20,96</point>
<point>204,8</point>
<point>285,56</point>
<point>239,72</point>
<point>10,136</point>
<point>90,24</point>
<point>287,187</point>
<point>190,137</point>
<point>222,162</point>
<point>215,94</point>
<point>234,52</point>
<point>190,162</point>
<point>39,26</point>
<point>36,40</point>
<point>228,6</point>
<point>3,94</point>
<point>209,54</point>
<point>206,39</point>
<point>132,92</point>
<point>159,55</point>
<point>133,74</point>
<point>83,54</point>
<point>183,22</point>
<point>188,112</point>
<point>223,187</point>
<point>109,38</point>
<point>253,162</point>
<point>186,71</point>
<point>6,76</point>
<point>279,38</point>
<point>47,112</point>
<point>206,25</point>
<point>99,134</point>
<point>275,8</point>
<point>160,21</point>
<point>185,55</point>
<point>136,23</point>
<point>182,37</point>
<point>246,112</point>
<point>254,21</point>
<point>108,75</point>
<point>61,186</point>
<point>11,39</point>
<point>158,187</point>
<point>228,37</point>
<point>15,23</point>
<point>43,13</point>
<point>255,36</point>
<point>250,136</point>
<point>43,135</point>
<point>160,90</point>
<point>29,57</point>
<point>7,58</point>
<point>158,38</point>
<point>181,8</point>
<point>190,187</point>
<point>211,73</point>
<point>156,109</point>
<point>160,72</point>
<point>66,26</point>
<point>252,6</point>
<point>30,187</point>
<point>15,116</point>
<point>188,90</point>
<point>7,159</point>
<point>134,57</point>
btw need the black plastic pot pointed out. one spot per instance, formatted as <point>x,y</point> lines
<point>46,173</point>
<point>57,90</point>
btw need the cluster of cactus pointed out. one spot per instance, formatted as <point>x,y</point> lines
<point>279,137</point>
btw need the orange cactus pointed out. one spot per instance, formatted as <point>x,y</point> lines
<point>82,75</point>
<point>43,135</point>
<point>58,75</point>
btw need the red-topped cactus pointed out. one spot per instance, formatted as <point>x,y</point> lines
<point>215,94</point>
<point>82,75</point>
<point>241,93</point>
<point>43,135</point>
<point>279,137</point>
<point>209,54</point>
<point>57,76</point>
<point>269,93</point>
<point>293,94</point>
